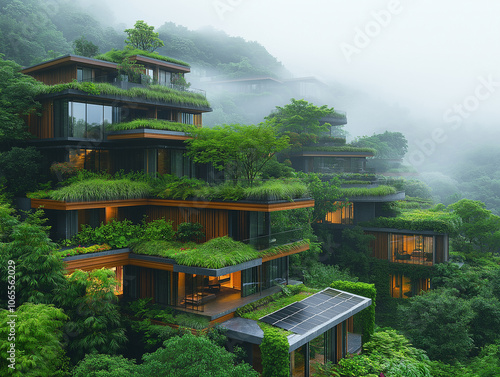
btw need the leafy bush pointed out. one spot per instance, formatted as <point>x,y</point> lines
<point>17,160</point>
<point>189,232</point>
<point>99,365</point>
<point>117,234</point>
<point>158,230</point>
<point>274,350</point>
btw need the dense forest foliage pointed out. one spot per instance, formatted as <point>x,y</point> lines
<point>33,30</point>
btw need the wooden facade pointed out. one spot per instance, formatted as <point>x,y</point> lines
<point>42,127</point>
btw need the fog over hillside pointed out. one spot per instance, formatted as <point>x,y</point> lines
<point>428,69</point>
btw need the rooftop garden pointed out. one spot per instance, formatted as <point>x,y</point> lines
<point>117,56</point>
<point>266,305</point>
<point>216,253</point>
<point>151,92</point>
<point>419,220</point>
<point>154,124</point>
<point>356,192</point>
<point>87,186</point>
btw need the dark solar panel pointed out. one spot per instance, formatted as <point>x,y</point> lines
<point>302,316</point>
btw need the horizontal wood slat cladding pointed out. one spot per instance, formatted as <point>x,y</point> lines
<point>89,264</point>
<point>237,206</point>
<point>214,222</point>
<point>379,245</point>
<point>56,76</point>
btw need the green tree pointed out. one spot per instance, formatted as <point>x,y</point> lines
<point>95,322</point>
<point>324,193</point>
<point>84,47</point>
<point>300,116</point>
<point>438,322</point>
<point>389,145</point>
<point>17,100</point>
<point>26,160</point>
<point>479,230</point>
<point>241,151</point>
<point>487,364</point>
<point>98,365</point>
<point>143,37</point>
<point>38,273</point>
<point>38,341</point>
<point>27,34</point>
<point>193,356</point>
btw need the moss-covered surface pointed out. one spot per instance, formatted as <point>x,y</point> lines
<point>419,220</point>
<point>117,56</point>
<point>152,92</point>
<point>154,124</point>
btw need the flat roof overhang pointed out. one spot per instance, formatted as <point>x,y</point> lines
<point>247,330</point>
<point>237,206</point>
<point>147,133</point>
<point>68,60</point>
<point>161,63</point>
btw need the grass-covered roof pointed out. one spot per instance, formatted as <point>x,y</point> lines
<point>117,56</point>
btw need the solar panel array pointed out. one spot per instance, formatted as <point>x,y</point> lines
<point>302,316</point>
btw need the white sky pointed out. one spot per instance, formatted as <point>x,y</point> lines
<point>425,56</point>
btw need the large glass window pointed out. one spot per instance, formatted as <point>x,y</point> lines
<point>343,215</point>
<point>162,287</point>
<point>412,249</point>
<point>164,78</point>
<point>249,281</point>
<point>404,287</point>
<point>275,272</point>
<point>82,120</point>
<point>83,74</point>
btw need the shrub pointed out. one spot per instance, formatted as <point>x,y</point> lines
<point>274,349</point>
<point>189,232</point>
<point>17,160</point>
<point>366,316</point>
<point>117,234</point>
<point>158,230</point>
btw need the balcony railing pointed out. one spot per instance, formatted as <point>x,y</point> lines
<point>275,239</point>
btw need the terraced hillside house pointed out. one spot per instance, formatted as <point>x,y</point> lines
<point>132,112</point>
